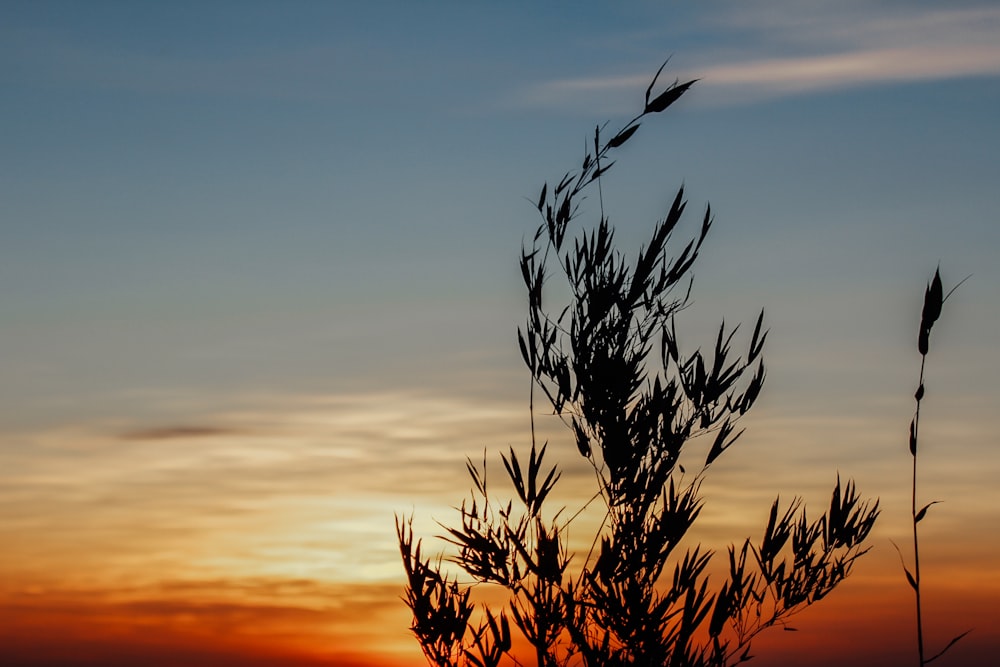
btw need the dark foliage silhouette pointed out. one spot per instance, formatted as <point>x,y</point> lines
<point>609,362</point>
<point>934,298</point>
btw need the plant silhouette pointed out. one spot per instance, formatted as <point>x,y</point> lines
<point>934,298</point>
<point>610,364</point>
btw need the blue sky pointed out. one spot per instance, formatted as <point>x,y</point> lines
<point>243,216</point>
<point>228,193</point>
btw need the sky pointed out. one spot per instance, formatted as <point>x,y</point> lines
<point>259,294</point>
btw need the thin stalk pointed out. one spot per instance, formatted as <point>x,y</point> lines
<point>934,299</point>
<point>913,511</point>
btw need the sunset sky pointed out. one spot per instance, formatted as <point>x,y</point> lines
<point>259,293</point>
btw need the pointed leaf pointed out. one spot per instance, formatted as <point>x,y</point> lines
<point>529,359</point>
<point>923,511</point>
<point>652,83</point>
<point>582,439</point>
<point>566,180</point>
<point>720,444</point>
<point>757,341</point>
<point>933,300</point>
<point>600,172</point>
<point>950,644</point>
<point>668,97</point>
<point>622,136</point>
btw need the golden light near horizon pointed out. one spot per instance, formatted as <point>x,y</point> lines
<point>293,507</point>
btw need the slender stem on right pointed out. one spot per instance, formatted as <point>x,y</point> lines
<point>913,509</point>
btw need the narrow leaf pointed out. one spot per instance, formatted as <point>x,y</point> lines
<point>599,172</point>
<point>933,299</point>
<point>950,644</point>
<point>529,358</point>
<point>923,511</point>
<point>652,83</point>
<point>622,136</point>
<point>757,341</point>
<point>668,97</point>
<point>566,180</point>
<point>582,439</point>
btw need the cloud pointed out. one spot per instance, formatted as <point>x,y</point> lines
<point>306,487</point>
<point>287,487</point>
<point>179,432</point>
<point>777,76</point>
<point>776,54</point>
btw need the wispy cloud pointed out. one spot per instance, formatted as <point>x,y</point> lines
<point>307,486</point>
<point>304,488</point>
<point>177,432</point>
<point>790,52</point>
<point>772,77</point>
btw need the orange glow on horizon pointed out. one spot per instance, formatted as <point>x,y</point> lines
<point>266,538</point>
<point>73,629</point>
<point>863,624</point>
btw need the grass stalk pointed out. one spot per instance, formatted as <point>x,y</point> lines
<point>934,299</point>
<point>913,515</point>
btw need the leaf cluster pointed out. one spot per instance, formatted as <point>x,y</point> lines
<point>610,364</point>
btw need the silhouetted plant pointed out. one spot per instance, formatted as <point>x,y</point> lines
<point>635,599</point>
<point>934,299</point>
